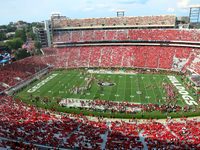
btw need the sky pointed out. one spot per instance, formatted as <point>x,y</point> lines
<point>40,10</point>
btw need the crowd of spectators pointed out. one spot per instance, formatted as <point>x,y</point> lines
<point>152,57</point>
<point>195,64</point>
<point>121,107</point>
<point>74,36</point>
<point>196,79</point>
<point>24,126</point>
<point>18,71</point>
<point>165,20</point>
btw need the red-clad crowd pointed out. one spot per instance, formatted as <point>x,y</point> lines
<point>126,35</point>
<point>153,57</point>
<point>22,125</point>
<point>18,71</point>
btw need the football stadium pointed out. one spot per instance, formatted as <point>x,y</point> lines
<point>106,83</point>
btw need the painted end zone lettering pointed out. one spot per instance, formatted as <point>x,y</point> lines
<point>39,85</point>
<point>185,95</point>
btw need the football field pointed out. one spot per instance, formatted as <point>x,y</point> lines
<point>136,88</point>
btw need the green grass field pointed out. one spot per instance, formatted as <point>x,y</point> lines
<point>126,87</point>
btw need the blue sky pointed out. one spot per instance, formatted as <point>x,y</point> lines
<point>39,10</point>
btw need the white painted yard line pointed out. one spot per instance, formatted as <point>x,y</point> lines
<point>160,91</point>
<point>112,88</point>
<point>109,91</point>
<point>131,88</point>
<point>56,88</point>
<point>138,88</point>
<point>153,90</point>
<point>95,92</point>
<point>145,91</point>
<point>118,88</point>
<point>80,85</point>
<point>125,90</point>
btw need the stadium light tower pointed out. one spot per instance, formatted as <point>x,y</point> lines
<point>194,15</point>
<point>120,13</point>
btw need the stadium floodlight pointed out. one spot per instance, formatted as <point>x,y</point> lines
<point>120,13</point>
<point>194,14</point>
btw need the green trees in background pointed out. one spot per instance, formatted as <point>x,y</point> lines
<point>2,36</point>
<point>15,43</point>
<point>10,28</point>
<point>21,53</point>
<point>21,34</point>
<point>38,45</point>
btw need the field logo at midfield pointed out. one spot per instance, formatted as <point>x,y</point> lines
<point>39,85</point>
<point>185,95</point>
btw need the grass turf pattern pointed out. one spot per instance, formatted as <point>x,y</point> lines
<point>136,88</point>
